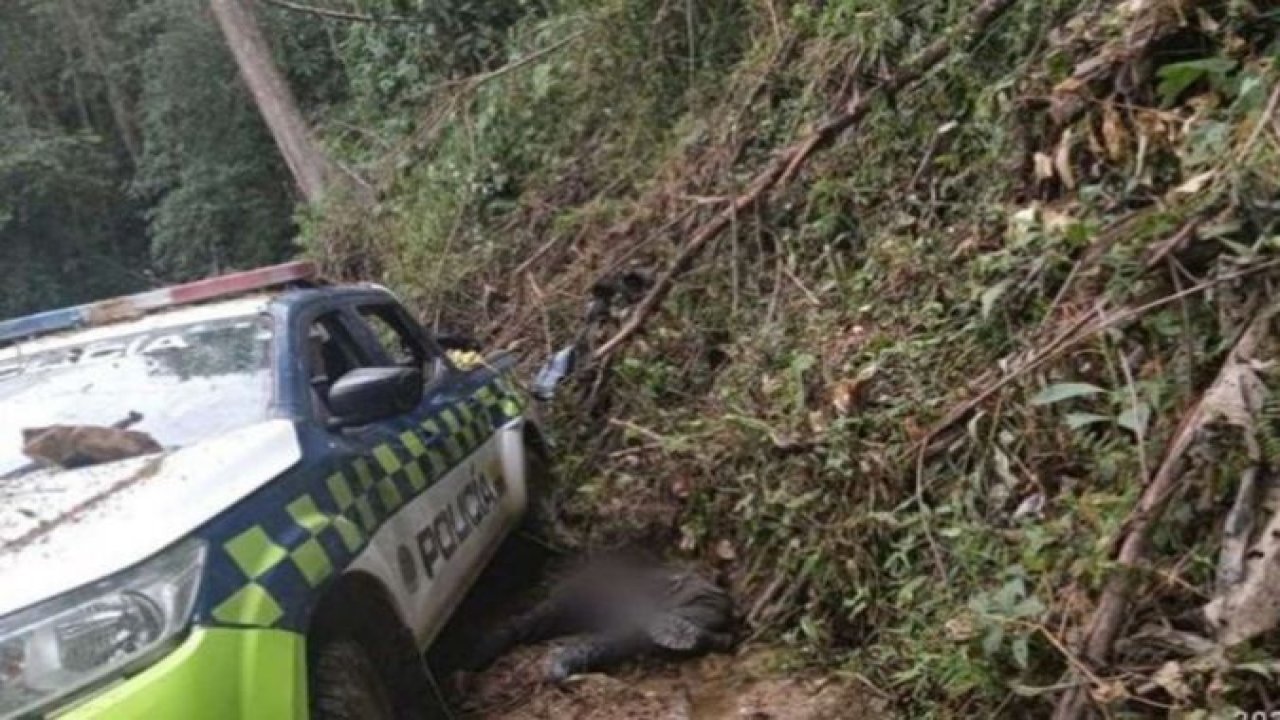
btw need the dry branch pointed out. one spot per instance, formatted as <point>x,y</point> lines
<point>331,14</point>
<point>787,164</point>
<point>474,81</point>
<point>1105,624</point>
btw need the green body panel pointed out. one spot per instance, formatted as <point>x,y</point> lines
<point>216,674</point>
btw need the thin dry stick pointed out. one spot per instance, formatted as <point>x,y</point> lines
<point>475,81</point>
<point>1266,115</point>
<point>785,166</point>
<point>342,15</point>
<point>1139,427</point>
<point>1104,626</point>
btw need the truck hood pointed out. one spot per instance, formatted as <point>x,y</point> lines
<point>60,529</point>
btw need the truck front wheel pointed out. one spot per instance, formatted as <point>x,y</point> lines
<point>346,684</point>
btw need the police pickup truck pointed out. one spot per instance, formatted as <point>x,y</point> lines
<point>254,496</point>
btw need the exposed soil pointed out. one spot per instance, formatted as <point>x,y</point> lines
<point>743,686</point>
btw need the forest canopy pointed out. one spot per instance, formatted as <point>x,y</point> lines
<point>132,155</point>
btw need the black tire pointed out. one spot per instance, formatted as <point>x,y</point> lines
<point>347,685</point>
<point>363,667</point>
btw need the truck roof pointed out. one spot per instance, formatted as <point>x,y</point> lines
<point>159,320</point>
<point>133,307</point>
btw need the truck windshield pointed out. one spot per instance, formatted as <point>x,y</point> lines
<point>178,383</point>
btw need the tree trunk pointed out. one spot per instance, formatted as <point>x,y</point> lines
<point>311,168</point>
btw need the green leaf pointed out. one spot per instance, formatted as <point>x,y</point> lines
<point>991,295</point>
<point>1064,391</point>
<point>1010,593</point>
<point>1135,419</point>
<point>1031,607</point>
<point>802,363</point>
<point>993,639</point>
<point>1259,668</point>
<point>1177,77</point>
<point>1077,420</point>
<point>1020,651</point>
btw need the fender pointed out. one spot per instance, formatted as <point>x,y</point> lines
<point>513,456</point>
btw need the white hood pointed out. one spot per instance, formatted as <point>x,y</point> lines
<point>62,529</point>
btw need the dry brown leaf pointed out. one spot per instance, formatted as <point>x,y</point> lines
<point>681,486</point>
<point>1062,160</point>
<point>914,429</point>
<point>1169,677</point>
<point>1108,691</point>
<point>725,551</point>
<point>1068,86</point>
<point>1044,166</point>
<point>770,385</point>
<point>848,394</point>
<point>1057,221</point>
<point>961,629</point>
<point>843,396</point>
<point>1114,136</point>
<point>1249,608</point>
<point>1237,396</point>
<point>1195,184</point>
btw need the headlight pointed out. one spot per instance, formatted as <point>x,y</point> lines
<point>54,649</point>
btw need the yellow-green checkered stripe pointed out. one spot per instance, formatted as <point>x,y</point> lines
<point>269,570</point>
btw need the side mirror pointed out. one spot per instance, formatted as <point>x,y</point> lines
<point>367,395</point>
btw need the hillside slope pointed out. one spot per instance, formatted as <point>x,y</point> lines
<point>962,395</point>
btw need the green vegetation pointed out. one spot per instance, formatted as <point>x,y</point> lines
<point>129,153</point>
<point>908,403</point>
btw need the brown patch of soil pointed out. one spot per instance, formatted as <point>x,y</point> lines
<point>722,687</point>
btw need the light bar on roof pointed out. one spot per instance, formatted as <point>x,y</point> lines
<point>109,311</point>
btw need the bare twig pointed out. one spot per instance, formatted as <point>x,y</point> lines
<point>345,16</point>
<point>1139,427</point>
<point>1263,119</point>
<point>475,81</point>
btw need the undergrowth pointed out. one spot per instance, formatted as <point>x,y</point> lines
<point>778,418</point>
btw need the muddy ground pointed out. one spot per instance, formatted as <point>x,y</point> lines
<point>744,686</point>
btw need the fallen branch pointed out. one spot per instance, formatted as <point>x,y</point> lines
<point>474,81</point>
<point>1112,607</point>
<point>788,163</point>
<point>345,16</point>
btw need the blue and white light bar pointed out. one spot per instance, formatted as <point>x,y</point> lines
<point>132,306</point>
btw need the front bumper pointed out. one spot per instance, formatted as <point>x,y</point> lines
<point>215,674</point>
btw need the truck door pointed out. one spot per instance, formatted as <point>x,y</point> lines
<point>435,480</point>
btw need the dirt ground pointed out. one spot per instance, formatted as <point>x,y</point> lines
<point>744,686</point>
